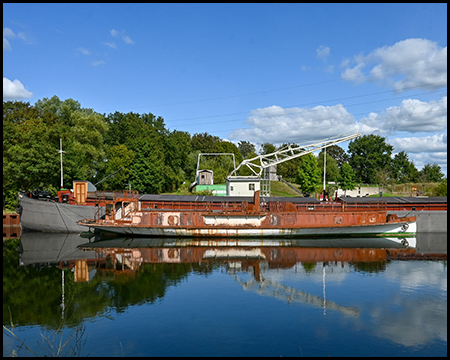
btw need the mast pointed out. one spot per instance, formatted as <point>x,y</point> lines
<point>61,152</point>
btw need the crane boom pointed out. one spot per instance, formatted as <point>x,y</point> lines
<point>288,153</point>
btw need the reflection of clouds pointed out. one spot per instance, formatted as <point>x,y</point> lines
<point>417,314</point>
<point>414,274</point>
<point>333,274</point>
<point>419,321</point>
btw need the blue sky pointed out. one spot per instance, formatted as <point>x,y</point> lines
<point>278,73</point>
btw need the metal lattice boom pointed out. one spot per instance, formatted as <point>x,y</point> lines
<point>289,152</point>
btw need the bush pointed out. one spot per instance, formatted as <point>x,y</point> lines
<point>440,189</point>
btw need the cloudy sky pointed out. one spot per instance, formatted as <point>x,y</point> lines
<point>277,73</point>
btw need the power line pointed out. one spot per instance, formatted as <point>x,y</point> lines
<point>300,111</point>
<point>291,87</point>
<point>292,122</point>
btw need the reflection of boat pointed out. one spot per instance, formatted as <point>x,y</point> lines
<point>347,242</point>
<point>287,252</point>
<point>45,248</point>
<point>131,216</point>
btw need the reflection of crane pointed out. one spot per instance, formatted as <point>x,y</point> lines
<point>289,152</point>
<point>282,292</point>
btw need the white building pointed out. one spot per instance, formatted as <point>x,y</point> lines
<point>243,185</point>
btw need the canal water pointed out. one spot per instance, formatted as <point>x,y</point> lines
<point>68,295</point>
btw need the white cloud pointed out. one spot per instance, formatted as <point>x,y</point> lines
<point>24,37</point>
<point>122,36</point>
<point>99,62</point>
<point>14,90</point>
<point>323,51</point>
<point>111,45</point>
<point>6,45</point>
<point>278,125</point>
<point>7,33</point>
<point>420,159</point>
<point>412,116</point>
<point>83,51</point>
<point>434,143</point>
<point>417,62</point>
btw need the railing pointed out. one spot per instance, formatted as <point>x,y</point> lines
<point>278,206</point>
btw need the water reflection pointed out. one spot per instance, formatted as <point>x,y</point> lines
<point>352,284</point>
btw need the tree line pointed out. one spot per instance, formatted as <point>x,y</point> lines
<point>154,159</point>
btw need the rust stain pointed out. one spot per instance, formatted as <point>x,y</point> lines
<point>232,219</point>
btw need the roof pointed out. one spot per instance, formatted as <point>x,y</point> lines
<point>395,200</point>
<point>202,198</point>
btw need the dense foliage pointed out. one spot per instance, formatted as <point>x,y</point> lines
<point>143,154</point>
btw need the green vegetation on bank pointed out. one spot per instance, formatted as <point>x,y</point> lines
<point>155,159</point>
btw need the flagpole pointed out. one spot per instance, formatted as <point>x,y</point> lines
<point>61,152</point>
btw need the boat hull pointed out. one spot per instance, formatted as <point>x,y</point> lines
<point>397,229</point>
<point>129,216</point>
<point>51,216</point>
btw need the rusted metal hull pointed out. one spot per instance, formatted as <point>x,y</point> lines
<point>129,216</point>
<point>397,229</point>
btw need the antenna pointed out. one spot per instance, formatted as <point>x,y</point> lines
<point>61,152</point>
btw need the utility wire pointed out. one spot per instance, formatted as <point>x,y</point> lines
<point>291,87</point>
<point>303,112</point>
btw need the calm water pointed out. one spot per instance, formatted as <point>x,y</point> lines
<point>141,297</point>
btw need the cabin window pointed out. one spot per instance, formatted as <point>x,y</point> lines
<point>251,186</point>
<point>203,176</point>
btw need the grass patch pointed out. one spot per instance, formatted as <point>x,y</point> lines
<point>384,195</point>
<point>278,188</point>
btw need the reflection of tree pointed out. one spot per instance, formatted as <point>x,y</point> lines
<point>309,267</point>
<point>32,294</point>
<point>369,267</point>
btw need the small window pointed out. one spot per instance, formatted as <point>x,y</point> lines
<point>231,188</point>
<point>203,176</point>
<point>251,186</point>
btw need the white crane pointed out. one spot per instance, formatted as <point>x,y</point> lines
<point>289,152</point>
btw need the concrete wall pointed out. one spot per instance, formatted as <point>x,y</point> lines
<point>431,221</point>
<point>361,191</point>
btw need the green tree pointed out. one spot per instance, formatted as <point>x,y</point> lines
<point>347,180</point>
<point>267,148</point>
<point>119,157</point>
<point>289,169</point>
<point>222,146</point>
<point>61,109</point>
<point>402,169</point>
<point>383,177</point>
<point>367,154</point>
<point>332,168</point>
<point>431,173</point>
<point>148,169</point>
<point>440,189</point>
<point>204,142</point>
<point>128,129</point>
<point>246,148</point>
<point>82,131</point>
<point>308,174</point>
<point>30,144</point>
<point>338,154</point>
<point>85,147</point>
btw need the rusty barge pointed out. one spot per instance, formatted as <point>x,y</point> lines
<point>127,214</point>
